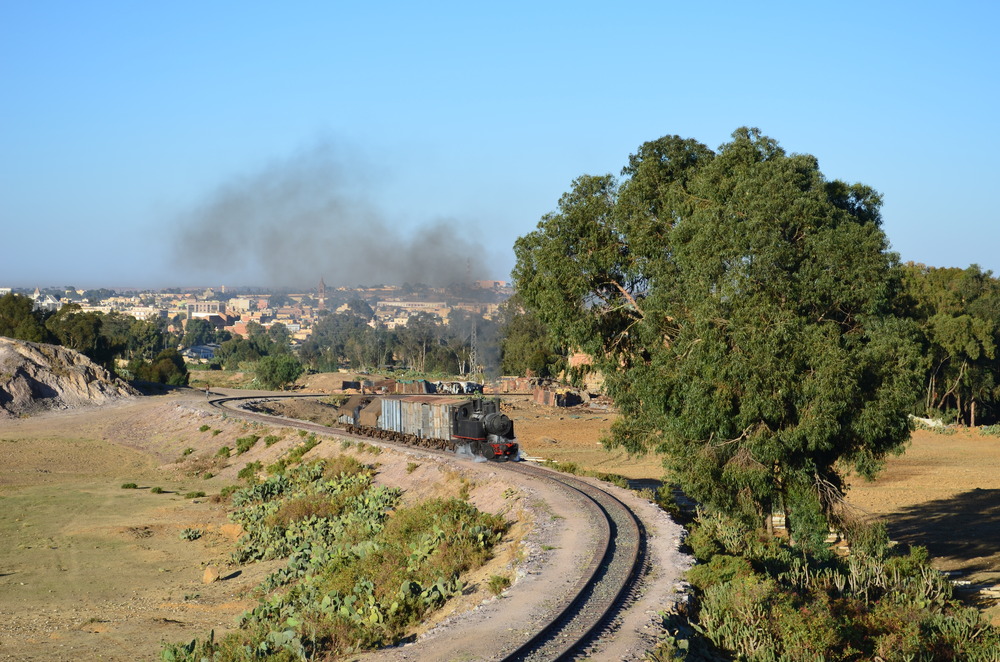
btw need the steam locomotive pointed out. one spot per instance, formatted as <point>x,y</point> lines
<point>474,426</point>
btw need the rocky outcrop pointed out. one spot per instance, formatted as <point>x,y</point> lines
<point>35,377</point>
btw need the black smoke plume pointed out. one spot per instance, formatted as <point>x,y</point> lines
<point>310,216</point>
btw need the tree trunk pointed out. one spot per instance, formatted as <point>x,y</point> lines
<point>972,414</point>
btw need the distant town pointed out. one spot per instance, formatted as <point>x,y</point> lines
<point>232,309</point>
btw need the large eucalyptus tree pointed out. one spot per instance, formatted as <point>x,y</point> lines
<point>740,306</point>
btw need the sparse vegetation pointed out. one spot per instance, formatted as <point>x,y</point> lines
<point>243,444</point>
<point>497,584</point>
<point>194,495</point>
<point>249,472</point>
<point>360,567</point>
<point>295,455</point>
<point>187,451</point>
<point>271,440</point>
<point>225,451</point>
<point>191,534</point>
<point>576,470</point>
<point>411,467</point>
<point>759,598</point>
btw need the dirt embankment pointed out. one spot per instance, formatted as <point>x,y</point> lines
<point>36,377</point>
<point>90,570</point>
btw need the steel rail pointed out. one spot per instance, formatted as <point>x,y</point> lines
<point>611,574</point>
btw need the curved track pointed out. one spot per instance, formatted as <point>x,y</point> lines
<point>605,585</point>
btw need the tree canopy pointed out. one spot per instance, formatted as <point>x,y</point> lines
<point>277,370</point>
<point>958,312</point>
<point>19,319</point>
<point>741,308</point>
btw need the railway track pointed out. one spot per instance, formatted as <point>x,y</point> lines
<point>587,613</point>
<point>604,587</point>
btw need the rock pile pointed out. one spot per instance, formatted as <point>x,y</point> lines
<point>35,377</point>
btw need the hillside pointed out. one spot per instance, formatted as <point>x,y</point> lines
<point>36,377</point>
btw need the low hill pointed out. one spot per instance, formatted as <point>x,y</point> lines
<point>36,377</point>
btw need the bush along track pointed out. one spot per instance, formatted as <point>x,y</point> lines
<point>758,598</point>
<point>359,571</point>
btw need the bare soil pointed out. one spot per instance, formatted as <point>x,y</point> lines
<point>89,570</point>
<point>944,494</point>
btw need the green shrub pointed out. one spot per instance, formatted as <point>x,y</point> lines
<point>990,430</point>
<point>360,567</point>
<point>411,467</point>
<point>720,569</point>
<point>187,451</point>
<point>295,455</point>
<point>271,439</point>
<point>758,598</point>
<point>243,444</point>
<point>204,428</point>
<point>216,432</point>
<point>249,472</point>
<point>497,584</point>
<point>194,495</point>
<point>129,486</point>
<point>225,451</point>
<point>343,465</point>
<point>190,534</point>
<point>207,475</point>
<point>156,490</point>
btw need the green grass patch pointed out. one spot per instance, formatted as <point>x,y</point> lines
<point>129,486</point>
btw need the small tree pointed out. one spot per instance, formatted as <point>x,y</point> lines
<point>167,368</point>
<point>19,319</point>
<point>278,370</point>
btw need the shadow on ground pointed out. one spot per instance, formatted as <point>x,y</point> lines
<point>965,528</point>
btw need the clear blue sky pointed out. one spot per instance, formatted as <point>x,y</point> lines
<point>137,139</point>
